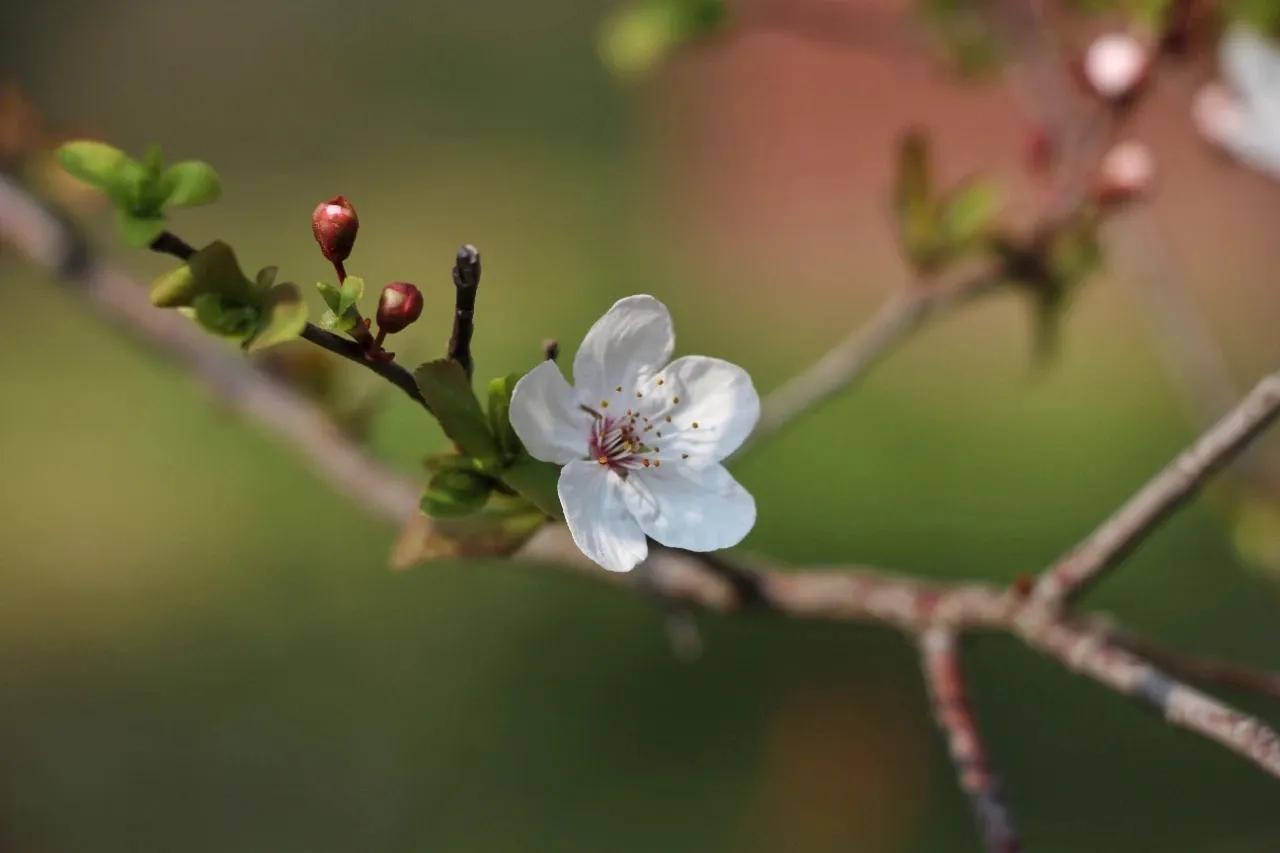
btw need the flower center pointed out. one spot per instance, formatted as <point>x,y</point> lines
<point>632,439</point>
<point>619,443</point>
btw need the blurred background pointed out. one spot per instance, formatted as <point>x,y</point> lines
<point>202,647</point>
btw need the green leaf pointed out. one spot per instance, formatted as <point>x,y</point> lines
<point>224,317</point>
<point>282,318</point>
<point>454,493</point>
<point>635,39</point>
<point>213,269</point>
<point>917,212</point>
<point>190,183</point>
<point>536,482</point>
<point>351,291</point>
<point>499,528</point>
<point>967,212</point>
<point>104,166</point>
<point>265,278</point>
<point>139,231</point>
<point>343,313</point>
<point>500,414</point>
<point>446,389</point>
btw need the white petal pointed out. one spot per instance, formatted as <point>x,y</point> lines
<point>714,394</point>
<point>546,416</point>
<point>599,521</point>
<point>698,509</point>
<point>627,344</point>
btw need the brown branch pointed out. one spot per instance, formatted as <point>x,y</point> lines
<point>944,676</point>
<point>1092,655</point>
<point>356,352</point>
<point>1167,491</point>
<point>466,281</point>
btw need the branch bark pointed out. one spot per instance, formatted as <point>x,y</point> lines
<point>1163,494</point>
<point>944,676</point>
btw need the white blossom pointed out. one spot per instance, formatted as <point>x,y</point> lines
<point>641,440</point>
<point>1244,116</point>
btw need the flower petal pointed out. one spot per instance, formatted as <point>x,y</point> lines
<point>627,344</point>
<point>546,416</point>
<point>716,396</point>
<point>698,509</point>
<point>599,521</point>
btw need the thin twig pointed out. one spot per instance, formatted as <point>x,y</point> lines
<point>466,281</point>
<point>1198,668</point>
<point>944,676</point>
<point>898,318</point>
<point>354,351</point>
<point>1163,494</point>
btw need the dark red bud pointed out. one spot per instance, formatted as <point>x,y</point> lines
<point>334,224</point>
<point>399,305</point>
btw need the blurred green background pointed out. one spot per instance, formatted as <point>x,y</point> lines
<point>201,648</point>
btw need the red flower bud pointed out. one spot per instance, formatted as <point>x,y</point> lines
<point>334,224</point>
<point>399,305</point>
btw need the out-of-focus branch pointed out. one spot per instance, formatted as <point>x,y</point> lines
<point>1163,494</point>
<point>900,316</point>
<point>51,243</point>
<point>944,677</point>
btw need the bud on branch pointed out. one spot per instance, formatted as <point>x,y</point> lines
<point>335,224</point>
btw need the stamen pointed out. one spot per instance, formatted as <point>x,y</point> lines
<point>618,389</point>
<point>684,455</point>
<point>604,404</point>
<point>661,381</point>
<point>675,400</point>
<point>695,424</point>
<point>603,460</point>
<point>646,463</point>
<point>657,463</point>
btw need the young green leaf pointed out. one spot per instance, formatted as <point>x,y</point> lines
<point>265,278</point>
<point>139,231</point>
<point>967,212</point>
<point>104,166</point>
<point>190,183</point>
<point>454,493</point>
<point>535,481</point>
<point>213,269</point>
<point>282,318</point>
<point>446,389</point>
<point>500,414</point>
<point>343,314</point>
<point>224,317</point>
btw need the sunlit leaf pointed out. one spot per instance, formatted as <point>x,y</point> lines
<point>190,183</point>
<point>282,318</point>
<point>447,390</point>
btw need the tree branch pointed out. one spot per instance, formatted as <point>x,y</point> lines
<point>848,361</point>
<point>1092,655</point>
<point>944,676</point>
<point>466,281</point>
<point>169,243</point>
<point>715,582</point>
<point>1167,491</point>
